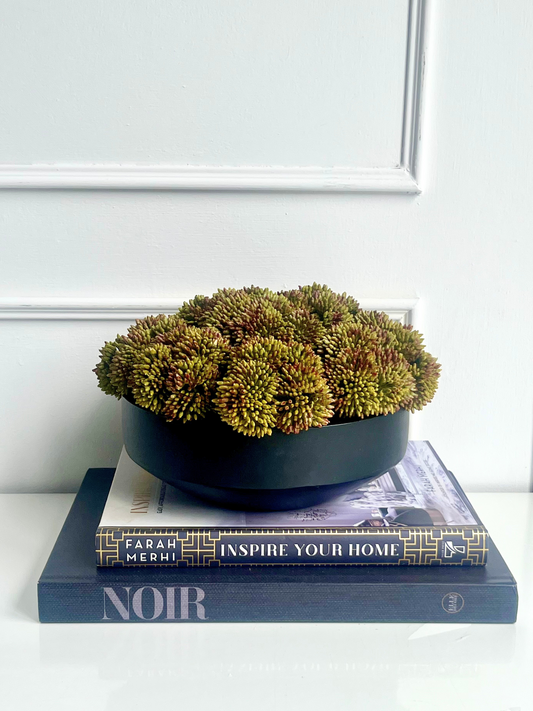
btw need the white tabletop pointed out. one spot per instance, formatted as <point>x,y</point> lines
<point>412,667</point>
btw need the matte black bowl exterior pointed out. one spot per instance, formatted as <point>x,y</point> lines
<point>209,459</point>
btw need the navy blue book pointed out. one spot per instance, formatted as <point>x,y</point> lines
<point>73,589</point>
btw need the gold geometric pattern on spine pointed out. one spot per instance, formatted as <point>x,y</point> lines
<point>198,548</point>
<point>422,546</point>
<point>425,546</point>
<point>107,545</point>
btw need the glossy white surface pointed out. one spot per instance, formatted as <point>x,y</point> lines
<point>269,666</point>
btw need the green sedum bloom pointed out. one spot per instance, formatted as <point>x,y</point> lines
<point>304,399</point>
<point>331,308</point>
<point>263,360</point>
<point>150,370</point>
<point>197,359</point>
<point>191,384</point>
<point>246,398</point>
<point>426,372</point>
<point>404,339</point>
<point>367,375</point>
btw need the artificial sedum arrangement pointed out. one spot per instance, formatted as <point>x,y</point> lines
<point>263,360</point>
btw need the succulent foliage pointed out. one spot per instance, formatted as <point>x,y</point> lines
<point>265,360</point>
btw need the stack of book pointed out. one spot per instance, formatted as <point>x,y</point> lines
<point>406,547</point>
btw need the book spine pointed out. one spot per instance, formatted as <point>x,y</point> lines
<point>286,602</point>
<point>118,547</point>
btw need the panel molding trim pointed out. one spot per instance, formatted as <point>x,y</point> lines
<point>400,179</point>
<point>129,309</point>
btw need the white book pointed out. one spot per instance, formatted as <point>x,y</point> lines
<point>145,519</point>
<point>419,482</point>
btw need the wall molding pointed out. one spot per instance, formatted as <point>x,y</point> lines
<point>158,177</point>
<point>400,179</point>
<point>128,309</point>
<point>415,73</point>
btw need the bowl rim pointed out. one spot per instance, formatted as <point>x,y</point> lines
<point>176,423</point>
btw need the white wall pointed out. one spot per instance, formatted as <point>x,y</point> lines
<point>202,81</point>
<point>463,246</point>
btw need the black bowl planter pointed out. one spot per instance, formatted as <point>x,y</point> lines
<point>209,459</point>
